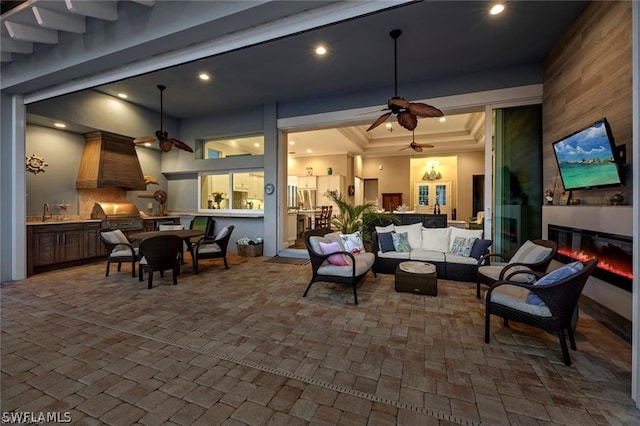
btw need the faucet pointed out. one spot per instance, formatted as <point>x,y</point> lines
<point>45,210</point>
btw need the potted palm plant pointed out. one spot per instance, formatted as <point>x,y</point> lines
<point>357,218</point>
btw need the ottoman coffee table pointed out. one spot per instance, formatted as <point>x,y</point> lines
<point>417,277</point>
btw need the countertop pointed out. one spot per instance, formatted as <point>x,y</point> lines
<point>61,222</point>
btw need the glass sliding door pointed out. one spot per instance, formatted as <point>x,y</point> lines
<point>517,214</point>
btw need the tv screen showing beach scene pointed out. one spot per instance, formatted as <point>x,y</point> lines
<point>586,159</point>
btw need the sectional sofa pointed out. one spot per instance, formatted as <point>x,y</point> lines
<point>455,252</point>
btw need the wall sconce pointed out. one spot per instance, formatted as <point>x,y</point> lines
<point>432,175</point>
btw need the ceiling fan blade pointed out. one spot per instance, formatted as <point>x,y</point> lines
<point>179,144</point>
<point>144,139</point>
<point>407,120</point>
<point>379,121</point>
<point>424,110</point>
<point>165,145</point>
<point>398,101</point>
<point>426,145</point>
<point>406,147</point>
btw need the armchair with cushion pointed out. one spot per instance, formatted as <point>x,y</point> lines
<point>212,247</point>
<point>332,262</point>
<point>550,303</point>
<point>533,255</point>
<point>119,248</point>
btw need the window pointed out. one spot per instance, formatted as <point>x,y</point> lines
<point>232,147</point>
<point>235,191</point>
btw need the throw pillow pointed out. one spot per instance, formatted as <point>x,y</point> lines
<point>462,246</point>
<point>401,241</point>
<point>115,237</point>
<point>463,233</point>
<point>222,233</point>
<point>479,247</point>
<point>436,239</point>
<point>336,259</point>
<point>530,253</point>
<point>414,233</point>
<point>386,242</point>
<point>352,242</point>
<point>388,228</point>
<point>552,278</point>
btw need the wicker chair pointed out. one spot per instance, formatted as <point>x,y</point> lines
<point>488,274</point>
<point>506,299</point>
<point>352,274</point>
<point>212,247</point>
<point>160,253</point>
<point>119,248</point>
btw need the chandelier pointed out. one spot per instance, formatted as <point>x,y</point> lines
<point>432,175</point>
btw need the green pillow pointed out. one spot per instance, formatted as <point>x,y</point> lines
<point>401,241</point>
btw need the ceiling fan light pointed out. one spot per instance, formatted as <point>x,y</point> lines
<point>496,9</point>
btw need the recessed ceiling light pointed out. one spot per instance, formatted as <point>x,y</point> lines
<point>122,95</point>
<point>321,50</point>
<point>292,142</point>
<point>497,9</point>
<point>60,125</point>
<point>388,125</point>
<point>147,144</point>
<point>204,76</point>
<point>443,119</point>
<point>256,144</point>
<point>309,151</point>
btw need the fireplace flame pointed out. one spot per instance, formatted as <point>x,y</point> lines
<point>583,257</point>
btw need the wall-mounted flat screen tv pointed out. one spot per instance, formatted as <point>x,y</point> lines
<point>587,159</point>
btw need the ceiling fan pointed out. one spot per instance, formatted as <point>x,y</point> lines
<point>165,142</point>
<point>407,112</point>
<point>417,147</point>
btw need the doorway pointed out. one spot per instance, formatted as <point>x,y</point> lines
<point>477,201</point>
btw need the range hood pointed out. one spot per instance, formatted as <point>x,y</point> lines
<point>109,161</point>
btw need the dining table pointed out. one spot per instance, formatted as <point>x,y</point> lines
<point>185,234</point>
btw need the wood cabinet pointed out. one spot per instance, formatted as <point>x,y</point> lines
<point>307,182</point>
<point>52,246</point>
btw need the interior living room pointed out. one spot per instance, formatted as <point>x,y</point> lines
<point>232,114</point>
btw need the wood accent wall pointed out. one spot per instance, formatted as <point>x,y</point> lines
<point>587,76</point>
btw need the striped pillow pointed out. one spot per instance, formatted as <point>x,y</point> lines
<point>530,253</point>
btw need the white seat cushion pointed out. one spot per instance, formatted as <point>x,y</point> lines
<point>167,227</point>
<point>115,237</point>
<point>516,298</point>
<point>427,256</point>
<point>394,254</point>
<point>493,271</point>
<point>209,248</point>
<point>122,252</point>
<point>364,261</point>
<point>463,260</point>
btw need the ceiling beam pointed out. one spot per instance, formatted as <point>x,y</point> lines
<point>14,46</point>
<point>22,32</point>
<point>106,10</point>
<point>59,21</point>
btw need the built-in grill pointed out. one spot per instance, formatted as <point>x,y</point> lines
<point>123,216</point>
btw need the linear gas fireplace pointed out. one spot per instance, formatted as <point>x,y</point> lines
<point>614,252</point>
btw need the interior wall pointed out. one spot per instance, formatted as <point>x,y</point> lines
<point>339,164</point>
<point>393,174</point>
<point>587,76</point>
<point>469,164</point>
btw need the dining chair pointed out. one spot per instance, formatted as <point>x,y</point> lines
<point>119,249</point>
<point>160,253</point>
<point>212,247</point>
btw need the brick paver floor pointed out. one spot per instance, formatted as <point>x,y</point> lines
<point>242,346</point>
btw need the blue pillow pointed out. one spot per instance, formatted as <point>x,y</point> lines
<point>479,247</point>
<point>386,242</point>
<point>552,278</point>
